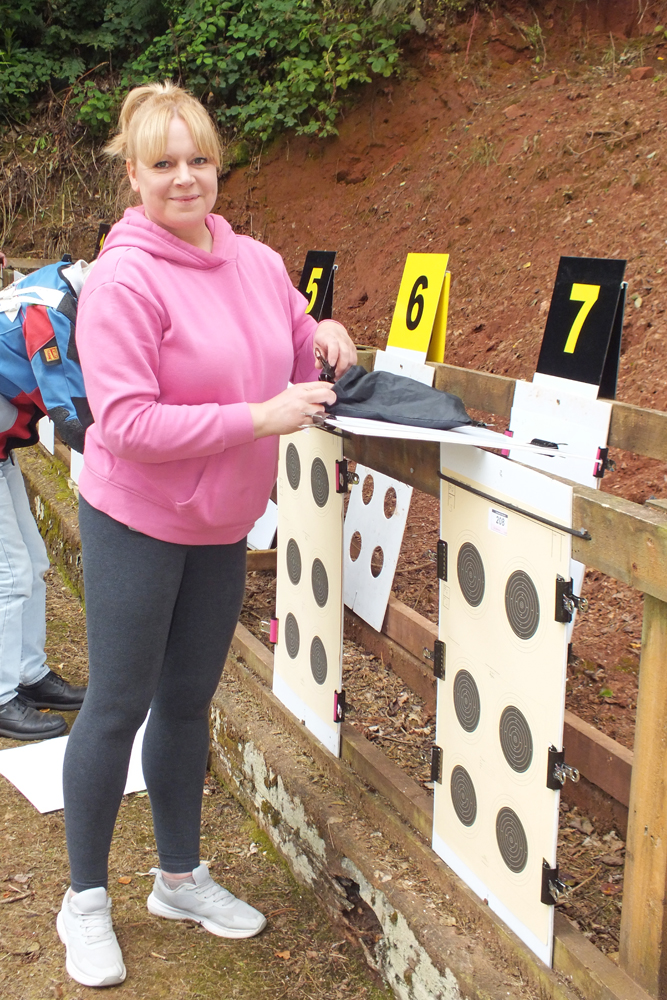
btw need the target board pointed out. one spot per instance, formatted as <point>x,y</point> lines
<point>308,658</point>
<point>501,701</point>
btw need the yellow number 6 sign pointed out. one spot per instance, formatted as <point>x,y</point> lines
<point>422,298</point>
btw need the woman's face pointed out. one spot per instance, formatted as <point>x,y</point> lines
<point>178,191</point>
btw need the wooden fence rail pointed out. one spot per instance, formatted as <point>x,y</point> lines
<point>628,542</point>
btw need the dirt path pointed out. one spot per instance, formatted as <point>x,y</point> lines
<point>301,954</point>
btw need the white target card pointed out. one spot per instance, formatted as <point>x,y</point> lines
<point>308,659</point>
<point>501,702</point>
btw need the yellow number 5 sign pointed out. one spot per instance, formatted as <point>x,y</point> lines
<point>420,317</point>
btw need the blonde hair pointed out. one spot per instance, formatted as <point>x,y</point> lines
<point>144,120</point>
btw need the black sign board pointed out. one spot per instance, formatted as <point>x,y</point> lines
<point>102,234</point>
<point>317,283</point>
<point>582,338</point>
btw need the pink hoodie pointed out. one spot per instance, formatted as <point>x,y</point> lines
<point>174,343</point>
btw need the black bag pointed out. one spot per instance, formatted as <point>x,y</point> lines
<point>396,399</point>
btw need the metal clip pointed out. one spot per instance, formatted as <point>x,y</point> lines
<point>339,705</point>
<point>345,479</point>
<point>602,463</point>
<point>558,771</point>
<point>270,628</point>
<point>567,602</point>
<point>328,373</point>
<point>441,564</point>
<point>436,764</point>
<point>437,657</point>
<point>552,887</point>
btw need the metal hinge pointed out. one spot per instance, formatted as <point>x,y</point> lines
<point>339,705</point>
<point>344,479</point>
<point>442,560</point>
<point>558,771</point>
<point>552,887</point>
<point>437,658</point>
<point>602,463</point>
<point>567,602</point>
<point>436,764</point>
<point>270,628</point>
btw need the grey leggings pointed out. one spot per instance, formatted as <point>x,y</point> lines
<point>160,620</point>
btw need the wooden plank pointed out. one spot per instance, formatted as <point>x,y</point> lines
<point>637,429</point>
<point>643,946</point>
<point>407,627</point>
<point>478,390</point>
<point>26,264</point>
<point>398,788</point>
<point>261,559</point>
<point>601,760</point>
<point>413,462</point>
<point>628,540</point>
<point>254,653</point>
<point>588,968</point>
<point>413,671</point>
<point>632,428</point>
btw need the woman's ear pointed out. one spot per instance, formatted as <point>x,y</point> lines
<point>132,174</point>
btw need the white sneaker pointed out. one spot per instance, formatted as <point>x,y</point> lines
<point>84,926</point>
<point>208,904</point>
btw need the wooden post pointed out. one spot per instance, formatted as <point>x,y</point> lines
<point>643,946</point>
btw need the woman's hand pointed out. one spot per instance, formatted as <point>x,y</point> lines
<point>292,409</point>
<point>333,342</point>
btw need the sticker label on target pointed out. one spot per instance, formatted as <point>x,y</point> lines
<point>498,521</point>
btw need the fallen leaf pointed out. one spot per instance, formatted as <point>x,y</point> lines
<point>609,889</point>
<point>285,955</point>
<point>312,954</point>
<point>612,860</point>
<point>154,954</point>
<point>125,879</point>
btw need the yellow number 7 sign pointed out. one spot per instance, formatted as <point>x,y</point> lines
<point>420,316</point>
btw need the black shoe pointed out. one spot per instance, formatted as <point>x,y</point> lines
<point>19,721</point>
<point>52,692</point>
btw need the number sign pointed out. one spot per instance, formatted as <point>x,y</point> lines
<point>317,281</point>
<point>582,336</point>
<point>102,234</point>
<point>419,297</point>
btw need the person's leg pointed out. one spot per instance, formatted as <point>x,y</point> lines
<point>176,742</point>
<point>33,622</point>
<point>16,584</point>
<point>132,582</point>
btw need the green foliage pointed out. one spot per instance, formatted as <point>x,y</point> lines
<point>260,65</point>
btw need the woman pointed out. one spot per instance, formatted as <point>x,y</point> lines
<point>188,336</point>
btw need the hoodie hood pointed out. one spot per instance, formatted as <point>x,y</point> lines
<point>135,231</point>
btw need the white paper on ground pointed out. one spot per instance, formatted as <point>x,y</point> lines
<point>263,532</point>
<point>37,770</point>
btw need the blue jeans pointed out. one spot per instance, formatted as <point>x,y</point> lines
<point>23,563</point>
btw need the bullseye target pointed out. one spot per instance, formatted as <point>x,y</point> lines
<point>501,701</point>
<point>512,840</point>
<point>463,795</point>
<point>522,605</point>
<point>466,701</point>
<point>309,597</point>
<point>470,572</point>
<point>516,739</point>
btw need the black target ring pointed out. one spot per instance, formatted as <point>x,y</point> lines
<point>293,559</point>
<point>463,795</point>
<point>320,582</point>
<point>470,571</point>
<point>516,739</point>
<point>522,605</point>
<point>293,466</point>
<point>318,660</point>
<point>512,841</point>
<point>319,482</point>
<point>466,701</point>
<point>292,640</point>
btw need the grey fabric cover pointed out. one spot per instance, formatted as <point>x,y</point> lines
<point>396,399</point>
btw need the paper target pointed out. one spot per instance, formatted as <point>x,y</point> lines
<point>501,703</point>
<point>309,600</point>
<point>375,520</point>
